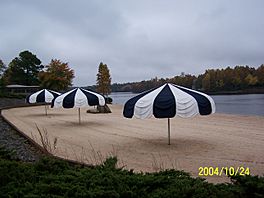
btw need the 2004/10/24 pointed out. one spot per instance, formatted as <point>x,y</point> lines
<point>211,171</point>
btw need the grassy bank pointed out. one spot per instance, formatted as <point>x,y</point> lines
<point>57,178</point>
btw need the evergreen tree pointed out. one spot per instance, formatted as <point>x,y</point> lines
<point>23,69</point>
<point>2,70</point>
<point>103,81</point>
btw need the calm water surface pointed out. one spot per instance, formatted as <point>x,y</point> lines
<point>248,104</point>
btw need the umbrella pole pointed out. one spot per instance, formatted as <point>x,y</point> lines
<point>79,115</point>
<point>168,131</point>
<point>46,110</point>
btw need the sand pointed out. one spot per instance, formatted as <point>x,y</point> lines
<point>218,140</point>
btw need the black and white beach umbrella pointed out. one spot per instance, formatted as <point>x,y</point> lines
<point>42,96</point>
<point>78,98</point>
<point>167,101</point>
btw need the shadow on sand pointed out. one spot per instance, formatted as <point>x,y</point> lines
<point>184,145</point>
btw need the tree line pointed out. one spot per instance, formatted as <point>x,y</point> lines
<point>211,81</point>
<point>26,69</point>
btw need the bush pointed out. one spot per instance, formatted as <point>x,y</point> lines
<point>8,155</point>
<point>56,178</point>
<point>249,186</point>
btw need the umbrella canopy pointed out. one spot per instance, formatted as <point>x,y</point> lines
<point>167,101</point>
<point>78,98</point>
<point>42,96</point>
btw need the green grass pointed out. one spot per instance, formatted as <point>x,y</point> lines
<point>56,178</point>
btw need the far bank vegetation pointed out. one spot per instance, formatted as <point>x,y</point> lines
<point>228,80</point>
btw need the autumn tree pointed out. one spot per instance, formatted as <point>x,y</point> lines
<point>206,82</point>
<point>251,80</point>
<point>23,69</point>
<point>103,82</point>
<point>260,74</point>
<point>57,76</point>
<point>183,80</point>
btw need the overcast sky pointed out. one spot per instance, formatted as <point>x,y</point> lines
<point>137,39</point>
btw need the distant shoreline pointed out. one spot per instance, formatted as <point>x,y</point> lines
<point>238,92</point>
<point>209,93</point>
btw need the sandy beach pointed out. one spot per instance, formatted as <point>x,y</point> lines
<point>218,140</point>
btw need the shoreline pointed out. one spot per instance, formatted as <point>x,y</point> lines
<point>238,92</point>
<point>234,92</point>
<point>217,140</point>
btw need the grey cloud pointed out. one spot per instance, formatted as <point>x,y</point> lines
<point>137,39</point>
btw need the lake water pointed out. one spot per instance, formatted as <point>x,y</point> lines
<point>247,104</point>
